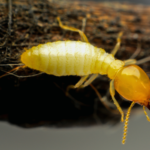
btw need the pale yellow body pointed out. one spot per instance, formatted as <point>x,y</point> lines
<point>63,58</point>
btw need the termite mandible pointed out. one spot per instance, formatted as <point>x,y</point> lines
<point>62,58</point>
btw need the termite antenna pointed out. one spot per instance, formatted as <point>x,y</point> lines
<point>146,59</point>
<point>126,123</point>
<point>148,119</point>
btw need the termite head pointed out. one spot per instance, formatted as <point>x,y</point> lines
<point>132,83</point>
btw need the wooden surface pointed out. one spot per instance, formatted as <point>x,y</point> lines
<point>41,100</point>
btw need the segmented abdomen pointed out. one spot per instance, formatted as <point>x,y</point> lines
<point>67,58</point>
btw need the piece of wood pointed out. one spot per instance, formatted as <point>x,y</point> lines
<point>41,100</point>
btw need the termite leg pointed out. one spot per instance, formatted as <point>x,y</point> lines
<point>16,68</point>
<point>130,62</point>
<point>137,51</point>
<point>78,84</point>
<point>83,36</point>
<point>83,24</point>
<point>117,46</point>
<point>102,101</point>
<point>126,123</point>
<point>148,119</point>
<point>112,93</point>
<point>90,80</point>
<point>85,39</point>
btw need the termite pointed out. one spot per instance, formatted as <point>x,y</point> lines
<point>62,58</point>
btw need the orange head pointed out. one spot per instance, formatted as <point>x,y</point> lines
<point>132,83</point>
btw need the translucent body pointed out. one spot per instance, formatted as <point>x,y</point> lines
<point>133,84</point>
<point>71,58</point>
